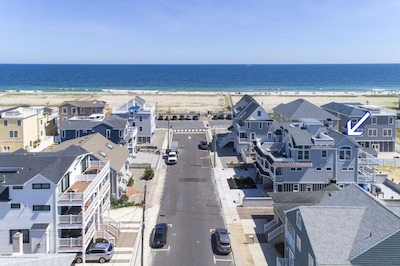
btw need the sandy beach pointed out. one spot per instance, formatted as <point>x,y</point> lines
<point>199,102</point>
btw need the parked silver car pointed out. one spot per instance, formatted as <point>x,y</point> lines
<point>223,243</point>
<point>101,252</point>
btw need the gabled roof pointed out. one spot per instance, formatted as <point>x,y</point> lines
<point>246,107</point>
<point>92,103</point>
<point>302,108</point>
<point>284,201</point>
<point>113,121</point>
<point>242,103</point>
<point>351,220</point>
<point>98,146</point>
<point>51,165</point>
<point>348,109</point>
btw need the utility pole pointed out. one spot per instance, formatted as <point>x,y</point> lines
<point>144,209</point>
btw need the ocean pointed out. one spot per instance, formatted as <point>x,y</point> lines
<point>201,78</point>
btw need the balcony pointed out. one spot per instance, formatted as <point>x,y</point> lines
<point>290,239</point>
<point>87,183</point>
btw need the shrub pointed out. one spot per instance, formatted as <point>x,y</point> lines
<point>148,174</point>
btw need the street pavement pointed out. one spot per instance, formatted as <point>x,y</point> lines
<point>249,247</point>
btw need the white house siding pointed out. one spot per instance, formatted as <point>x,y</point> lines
<point>25,217</point>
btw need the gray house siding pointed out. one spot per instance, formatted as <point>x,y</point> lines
<point>385,253</point>
<point>301,256</point>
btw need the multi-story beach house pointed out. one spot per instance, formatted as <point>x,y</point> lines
<point>24,127</point>
<point>250,123</point>
<point>103,149</point>
<point>140,115</point>
<point>307,156</point>
<point>58,201</point>
<point>69,109</point>
<point>379,130</point>
<point>114,128</point>
<point>347,227</point>
<point>301,108</point>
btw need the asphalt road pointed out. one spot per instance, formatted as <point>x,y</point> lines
<point>191,207</point>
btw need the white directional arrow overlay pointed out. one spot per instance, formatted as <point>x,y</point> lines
<point>352,131</point>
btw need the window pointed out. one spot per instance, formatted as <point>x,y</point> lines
<point>13,134</point>
<point>82,110</point>
<point>373,121</point>
<point>133,124</point>
<point>390,120</point>
<point>77,135</point>
<point>328,169</point>
<point>347,169</point>
<point>318,169</point>
<point>17,187</point>
<point>120,133</point>
<point>64,110</point>
<point>6,149</point>
<point>296,188</point>
<point>310,260</point>
<point>73,111</point>
<point>41,186</point>
<point>41,207</point>
<point>25,234</point>
<point>140,118</point>
<point>140,129</point>
<point>5,123</point>
<point>248,125</point>
<point>345,153</point>
<point>387,132</point>
<point>299,221</point>
<point>108,133</point>
<point>298,242</point>
<point>372,132</point>
<point>324,154</point>
<point>258,113</point>
<point>63,134</point>
<point>260,126</point>
<point>15,205</point>
<point>19,123</point>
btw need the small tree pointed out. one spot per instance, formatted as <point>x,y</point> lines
<point>148,174</point>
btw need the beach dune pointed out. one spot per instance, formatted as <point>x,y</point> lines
<point>194,102</point>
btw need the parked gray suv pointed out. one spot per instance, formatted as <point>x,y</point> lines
<point>101,252</point>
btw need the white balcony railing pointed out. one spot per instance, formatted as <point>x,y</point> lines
<point>290,239</point>
<point>70,242</point>
<point>276,232</point>
<point>70,219</point>
<point>268,226</point>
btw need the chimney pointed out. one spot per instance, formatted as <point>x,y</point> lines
<point>17,243</point>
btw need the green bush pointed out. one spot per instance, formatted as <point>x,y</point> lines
<point>148,174</point>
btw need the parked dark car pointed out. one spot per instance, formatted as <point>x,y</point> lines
<point>188,117</point>
<point>159,235</point>
<point>221,116</point>
<point>160,117</point>
<point>223,243</point>
<point>182,117</point>
<point>174,117</point>
<point>167,117</point>
<point>195,117</point>
<point>101,252</point>
<point>229,116</point>
<point>215,117</point>
<point>203,145</point>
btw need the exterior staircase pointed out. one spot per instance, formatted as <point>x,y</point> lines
<point>273,229</point>
<point>222,142</point>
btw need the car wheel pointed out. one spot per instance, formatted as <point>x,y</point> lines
<point>78,260</point>
<point>102,260</point>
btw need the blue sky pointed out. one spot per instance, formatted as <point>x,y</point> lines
<point>199,32</point>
